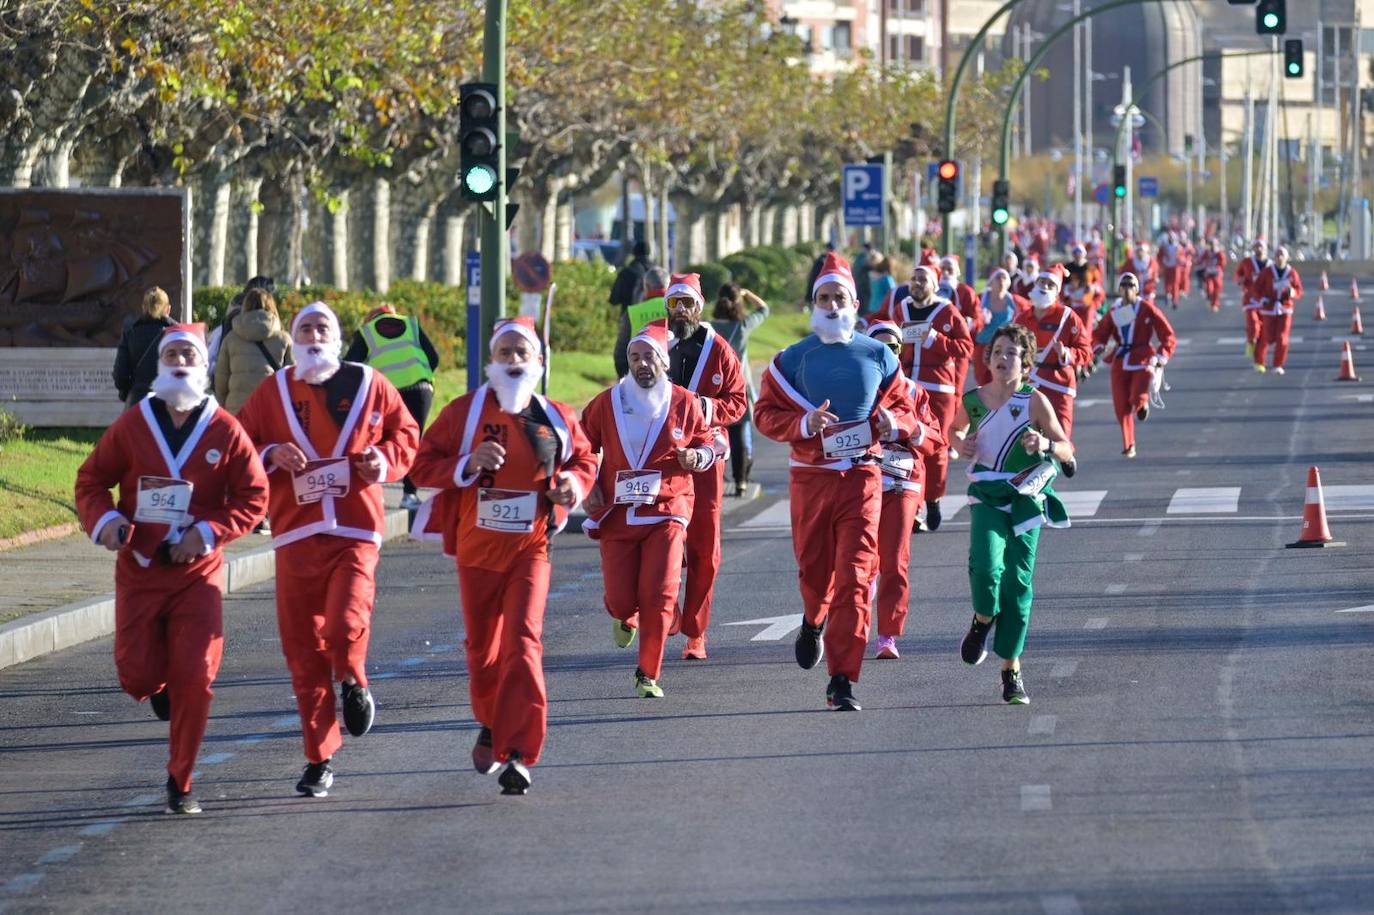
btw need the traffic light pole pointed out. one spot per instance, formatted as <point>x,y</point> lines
<point>492,222</point>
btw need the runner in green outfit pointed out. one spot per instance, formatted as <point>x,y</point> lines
<point>1016,443</point>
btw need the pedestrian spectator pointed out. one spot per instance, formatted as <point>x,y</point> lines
<point>135,365</point>
<point>738,313</point>
<point>816,266</point>
<point>880,284</point>
<point>860,269</point>
<point>255,347</point>
<point>629,289</point>
<point>397,346</point>
<point>235,306</point>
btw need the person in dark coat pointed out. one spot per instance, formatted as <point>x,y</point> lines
<point>628,290</point>
<point>135,364</point>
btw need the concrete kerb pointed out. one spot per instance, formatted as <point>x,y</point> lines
<point>62,627</point>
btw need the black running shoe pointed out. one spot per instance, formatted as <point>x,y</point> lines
<point>971,648</point>
<point>316,780</point>
<point>178,801</point>
<point>1013,689</point>
<point>162,704</point>
<point>933,515</point>
<point>1070,468</point>
<point>483,756</point>
<point>1143,413</point>
<point>515,778</point>
<point>358,708</point>
<point>839,695</point>
<point>809,647</point>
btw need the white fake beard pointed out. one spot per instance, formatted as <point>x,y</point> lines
<point>834,327</point>
<point>1042,298</point>
<point>513,385</point>
<point>649,403</point>
<point>181,387</point>
<point>317,362</point>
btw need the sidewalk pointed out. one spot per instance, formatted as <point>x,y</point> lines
<point>58,593</point>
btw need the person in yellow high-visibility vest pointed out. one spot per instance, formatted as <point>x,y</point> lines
<point>397,346</point>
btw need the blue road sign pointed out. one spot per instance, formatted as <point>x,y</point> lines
<point>1103,194</point>
<point>473,266</point>
<point>862,188</point>
<point>1149,187</point>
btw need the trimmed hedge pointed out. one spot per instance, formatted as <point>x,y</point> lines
<point>713,276</point>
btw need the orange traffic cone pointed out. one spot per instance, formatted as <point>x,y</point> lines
<point>1325,284</point>
<point>1356,325</point>
<point>1315,533</point>
<point>1347,365</point>
<point>1354,289</point>
<point>1320,313</point>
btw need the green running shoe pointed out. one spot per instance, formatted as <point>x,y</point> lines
<point>624,635</point>
<point>1013,689</point>
<point>647,687</point>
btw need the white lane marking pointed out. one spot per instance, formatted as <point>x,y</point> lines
<point>950,505</point>
<point>1061,904</point>
<point>412,662</point>
<point>1148,529</point>
<point>776,627</point>
<point>1368,608</point>
<point>23,883</point>
<point>285,721</point>
<point>1233,341</point>
<point>389,675</point>
<point>1132,557</point>
<point>1063,669</point>
<point>251,740</point>
<point>1362,398</point>
<point>1085,403</point>
<point>143,800</point>
<point>1193,454</point>
<point>89,713</point>
<point>214,759</point>
<point>1097,622</point>
<point>779,514</point>
<point>1083,504</point>
<point>1207,500</point>
<point>59,854</point>
<point>1035,797</point>
<point>1349,498</point>
<point>103,828</point>
<point>1185,472</point>
<point>587,576</point>
<point>1182,341</point>
<point>1116,588</point>
<point>443,649</point>
<point>1042,725</point>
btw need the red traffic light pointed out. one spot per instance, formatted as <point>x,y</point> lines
<point>948,170</point>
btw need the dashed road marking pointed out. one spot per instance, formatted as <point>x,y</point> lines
<point>1084,503</point>
<point>143,800</point>
<point>102,828</point>
<point>1097,622</point>
<point>59,854</point>
<point>23,883</point>
<point>389,675</point>
<point>1035,797</point>
<point>1042,725</point>
<point>214,759</point>
<point>1133,557</point>
<point>1063,669</point>
<point>1349,498</point>
<point>285,721</point>
<point>1116,588</point>
<point>412,662</point>
<point>252,739</point>
<point>1149,529</point>
<point>1207,500</point>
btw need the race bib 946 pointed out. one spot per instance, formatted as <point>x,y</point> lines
<point>637,487</point>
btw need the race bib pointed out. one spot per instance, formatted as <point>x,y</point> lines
<point>510,511</point>
<point>163,500</point>
<point>1034,479</point>
<point>846,440</point>
<point>898,463</point>
<point>328,477</point>
<point>637,487</point>
<point>914,332</point>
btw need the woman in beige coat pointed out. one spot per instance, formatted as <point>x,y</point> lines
<point>254,346</point>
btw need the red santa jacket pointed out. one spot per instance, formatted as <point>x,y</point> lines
<point>1278,290</point>
<point>682,426</point>
<point>1023,281</point>
<point>1248,272</point>
<point>898,471</point>
<point>284,409</point>
<point>934,365</point>
<point>1129,334</point>
<point>718,381</point>
<point>1213,263</point>
<point>1057,325</point>
<point>228,485</point>
<point>453,516</point>
<point>966,298</point>
<point>1147,272</point>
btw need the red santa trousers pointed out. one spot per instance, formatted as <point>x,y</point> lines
<point>1130,392</point>
<point>642,575</point>
<point>1274,331</point>
<point>1172,281</point>
<point>169,632</point>
<point>894,555</point>
<point>835,521</point>
<point>1253,325</point>
<point>703,550</point>
<point>981,373</point>
<point>1063,408</point>
<point>944,407</point>
<point>325,590</point>
<point>1212,286</point>
<point>503,616</point>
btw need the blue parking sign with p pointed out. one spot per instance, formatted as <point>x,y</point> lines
<point>862,188</point>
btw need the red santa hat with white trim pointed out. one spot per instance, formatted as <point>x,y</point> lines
<point>835,269</point>
<point>193,334</point>
<point>688,284</point>
<point>657,335</point>
<point>522,325</point>
<point>950,264</point>
<point>884,327</point>
<point>1055,273</point>
<point>933,271</point>
<point>317,308</point>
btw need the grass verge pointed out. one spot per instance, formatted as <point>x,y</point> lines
<point>37,476</point>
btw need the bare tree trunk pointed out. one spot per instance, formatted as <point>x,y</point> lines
<point>338,242</point>
<point>17,165</point>
<point>220,201</point>
<point>453,249</point>
<point>419,265</point>
<point>381,234</point>
<point>296,221</point>
<point>55,168</point>
<point>665,247</point>
<point>768,225</point>
<point>563,229</point>
<point>253,265</point>
<point>548,223</point>
<point>646,196</point>
<point>715,225</point>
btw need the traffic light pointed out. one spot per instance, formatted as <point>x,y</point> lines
<point>478,145</point>
<point>1292,58</point>
<point>1271,17</point>
<point>1119,181</point>
<point>1001,202</point>
<point>947,197</point>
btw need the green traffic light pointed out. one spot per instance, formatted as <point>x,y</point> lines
<point>1120,190</point>
<point>1293,68</point>
<point>999,216</point>
<point>479,179</point>
<point>1271,20</point>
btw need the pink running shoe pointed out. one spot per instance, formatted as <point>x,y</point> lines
<point>887,648</point>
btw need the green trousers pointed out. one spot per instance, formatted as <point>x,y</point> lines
<point>1000,567</point>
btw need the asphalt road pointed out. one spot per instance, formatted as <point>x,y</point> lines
<point>1198,739</point>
